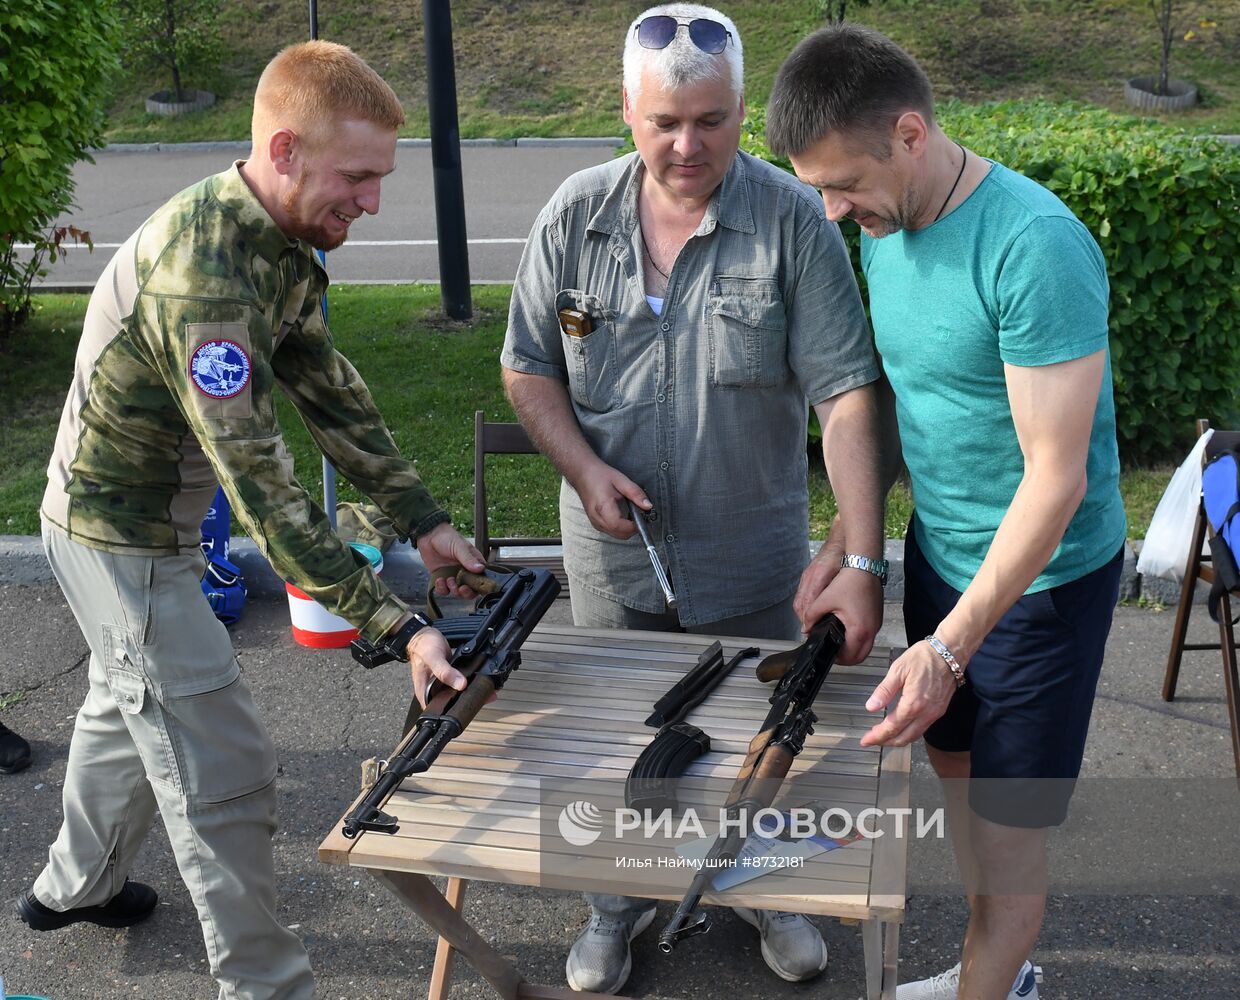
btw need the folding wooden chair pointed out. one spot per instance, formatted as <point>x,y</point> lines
<point>1197,568</point>
<point>493,438</point>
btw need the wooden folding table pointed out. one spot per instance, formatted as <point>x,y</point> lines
<point>572,718</point>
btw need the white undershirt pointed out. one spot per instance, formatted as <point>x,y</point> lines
<point>656,304</point>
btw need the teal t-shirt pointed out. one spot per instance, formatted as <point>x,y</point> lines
<point>1011,276</point>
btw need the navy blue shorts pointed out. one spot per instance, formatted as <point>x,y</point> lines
<point>1023,713</point>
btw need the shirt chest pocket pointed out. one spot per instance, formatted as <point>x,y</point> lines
<point>747,332</point>
<point>593,376</point>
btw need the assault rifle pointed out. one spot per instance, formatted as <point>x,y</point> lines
<point>486,658</point>
<point>800,673</point>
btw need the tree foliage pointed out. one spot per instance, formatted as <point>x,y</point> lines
<point>56,61</point>
<point>177,37</point>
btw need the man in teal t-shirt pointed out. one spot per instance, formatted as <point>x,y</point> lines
<point>989,305</point>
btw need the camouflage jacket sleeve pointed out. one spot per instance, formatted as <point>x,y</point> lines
<point>341,416</point>
<point>232,415</point>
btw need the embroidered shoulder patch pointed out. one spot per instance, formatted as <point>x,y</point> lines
<point>220,368</point>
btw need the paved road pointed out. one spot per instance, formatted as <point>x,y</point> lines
<point>505,186</point>
<point>1133,919</point>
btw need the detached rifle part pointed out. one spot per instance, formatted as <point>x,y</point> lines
<point>639,518</point>
<point>669,705</point>
<point>486,658</point>
<point>782,736</point>
<point>651,783</point>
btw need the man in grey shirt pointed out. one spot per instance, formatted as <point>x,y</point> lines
<point>673,313</point>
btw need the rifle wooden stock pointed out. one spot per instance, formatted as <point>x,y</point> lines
<point>472,700</point>
<point>801,673</point>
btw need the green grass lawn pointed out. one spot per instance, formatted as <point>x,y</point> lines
<point>428,375</point>
<point>552,67</point>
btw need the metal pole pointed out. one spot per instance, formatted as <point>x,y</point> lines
<point>446,160</point>
<point>329,470</point>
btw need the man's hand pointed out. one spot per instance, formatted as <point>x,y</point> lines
<point>443,545</point>
<point>818,575</point>
<point>924,684</point>
<point>603,491</point>
<point>856,598</point>
<point>428,653</point>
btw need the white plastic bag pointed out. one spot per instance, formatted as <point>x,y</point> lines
<point>1165,549</point>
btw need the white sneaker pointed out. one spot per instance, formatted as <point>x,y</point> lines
<point>945,984</point>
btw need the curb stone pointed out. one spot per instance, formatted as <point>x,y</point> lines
<point>614,141</point>
<point>242,145</point>
<point>22,562</point>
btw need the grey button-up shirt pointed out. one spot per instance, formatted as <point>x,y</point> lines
<point>705,405</point>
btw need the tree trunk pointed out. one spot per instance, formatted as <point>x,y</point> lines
<point>1162,11</point>
<point>170,33</point>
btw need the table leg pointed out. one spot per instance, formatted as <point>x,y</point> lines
<point>441,973</point>
<point>880,941</point>
<point>420,894</point>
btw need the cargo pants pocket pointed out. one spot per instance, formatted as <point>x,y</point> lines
<point>220,747</point>
<point>202,740</point>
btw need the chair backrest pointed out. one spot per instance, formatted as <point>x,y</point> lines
<point>1219,442</point>
<point>493,438</point>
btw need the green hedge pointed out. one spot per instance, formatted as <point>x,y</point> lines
<point>55,60</point>
<point>1165,208</point>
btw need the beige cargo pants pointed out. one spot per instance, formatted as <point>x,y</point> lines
<point>169,723</point>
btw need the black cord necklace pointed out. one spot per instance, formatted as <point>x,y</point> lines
<point>963,159</point>
<point>650,257</point>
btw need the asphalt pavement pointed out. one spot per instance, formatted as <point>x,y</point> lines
<point>506,184</point>
<point>1145,905</point>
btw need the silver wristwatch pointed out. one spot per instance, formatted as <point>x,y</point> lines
<point>876,566</point>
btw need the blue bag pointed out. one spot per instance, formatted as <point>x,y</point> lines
<point>221,583</point>
<point>1220,495</point>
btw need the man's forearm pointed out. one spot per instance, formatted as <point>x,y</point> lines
<point>545,411</point>
<point>851,454</point>
<point>891,452</point>
<point>1026,539</point>
<point>1053,412</point>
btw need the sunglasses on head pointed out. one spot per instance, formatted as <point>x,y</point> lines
<point>658,30</point>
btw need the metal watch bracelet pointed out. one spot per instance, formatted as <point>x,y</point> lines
<point>949,658</point>
<point>875,567</point>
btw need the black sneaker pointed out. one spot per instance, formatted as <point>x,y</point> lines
<point>14,751</point>
<point>131,905</point>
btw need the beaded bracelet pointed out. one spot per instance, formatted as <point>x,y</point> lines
<point>948,657</point>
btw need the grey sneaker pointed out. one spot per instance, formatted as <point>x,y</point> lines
<point>600,959</point>
<point>945,984</point>
<point>791,945</point>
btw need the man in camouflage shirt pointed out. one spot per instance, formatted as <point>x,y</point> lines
<point>200,315</point>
